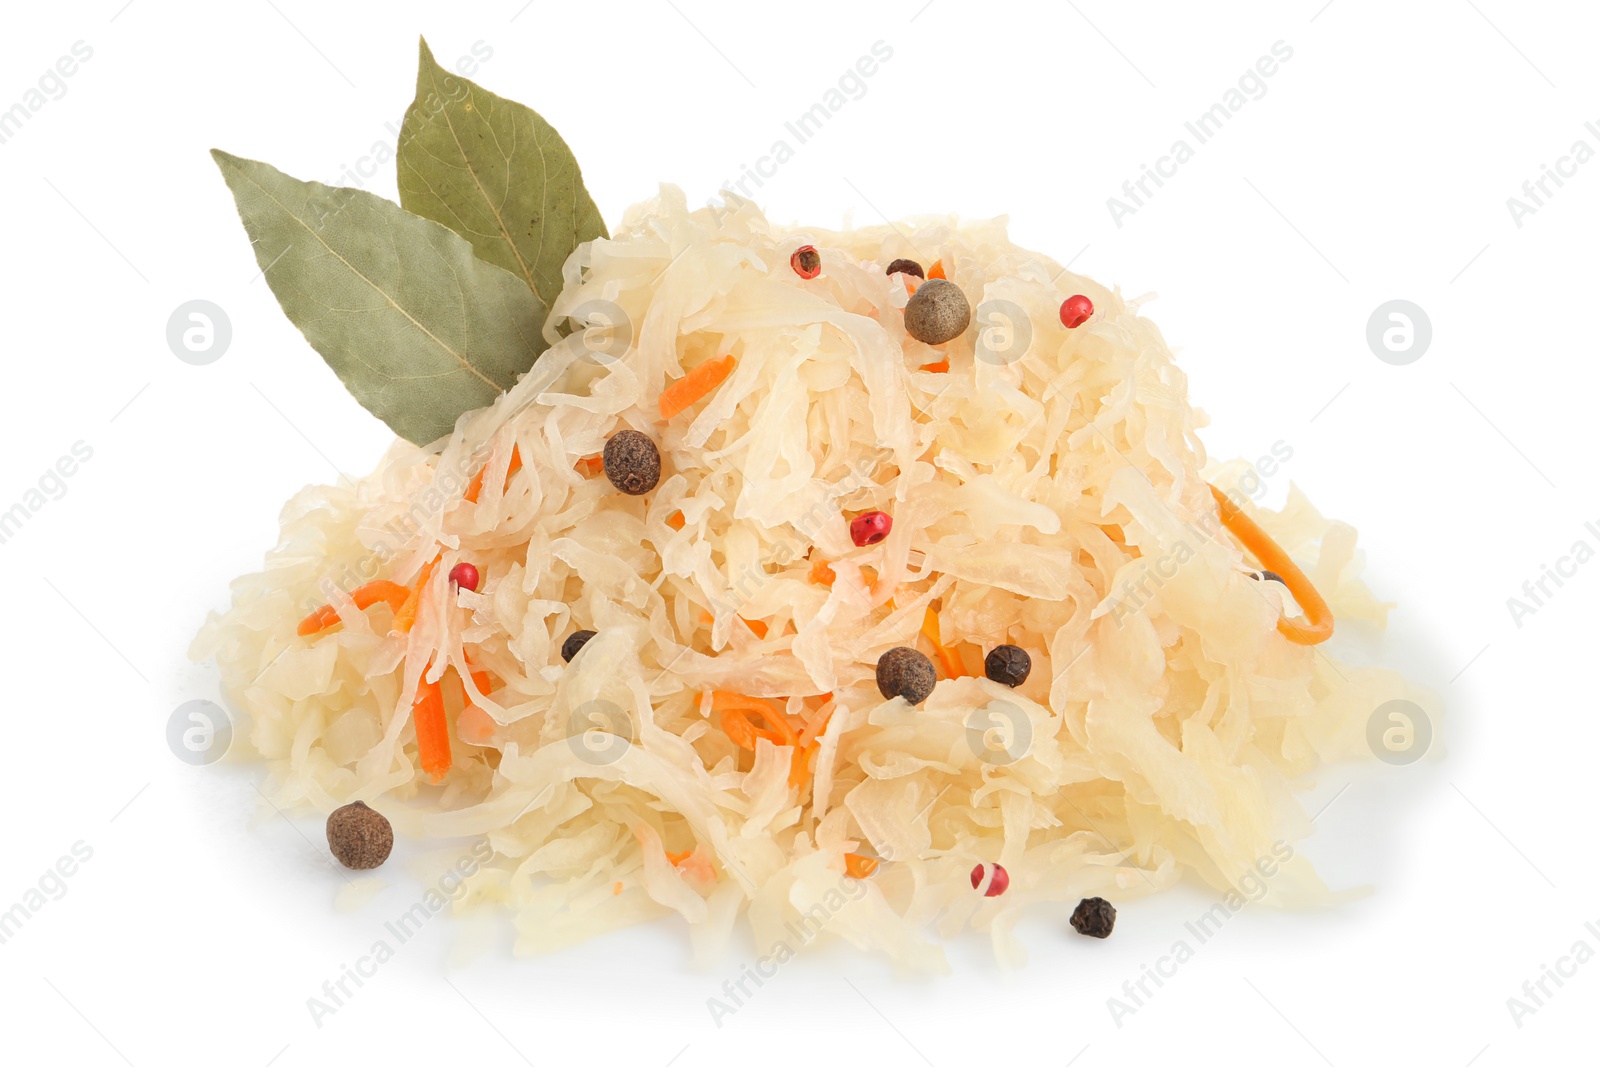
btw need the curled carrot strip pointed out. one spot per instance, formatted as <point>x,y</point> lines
<point>947,656</point>
<point>475,486</point>
<point>859,866</point>
<point>367,595</point>
<point>433,731</point>
<point>735,710</point>
<point>821,573</point>
<point>1317,626</point>
<point>684,392</point>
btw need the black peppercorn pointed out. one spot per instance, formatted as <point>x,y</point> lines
<point>937,312</point>
<point>632,462</point>
<point>905,266</point>
<point>359,837</point>
<point>905,672</point>
<point>1008,665</point>
<point>570,646</point>
<point>1094,917</point>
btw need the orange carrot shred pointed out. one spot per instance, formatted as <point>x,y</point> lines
<point>947,656</point>
<point>757,627</point>
<point>475,486</point>
<point>675,520</point>
<point>616,889</point>
<point>937,270</point>
<point>735,709</point>
<point>589,466</point>
<point>684,392</point>
<point>940,367</point>
<point>367,595</point>
<point>406,617</point>
<point>1318,624</point>
<point>821,573</point>
<point>433,731</point>
<point>859,866</point>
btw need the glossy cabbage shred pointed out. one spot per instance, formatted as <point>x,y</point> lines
<point>1047,491</point>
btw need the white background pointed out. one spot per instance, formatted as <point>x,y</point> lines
<point>1376,166</point>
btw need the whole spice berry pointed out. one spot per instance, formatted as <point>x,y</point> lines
<point>632,462</point>
<point>937,312</point>
<point>1008,665</point>
<point>905,672</point>
<point>869,528</point>
<point>359,837</point>
<point>466,576</point>
<point>997,885</point>
<point>1094,917</point>
<point>806,262</point>
<point>1075,311</point>
<point>1267,576</point>
<point>570,646</point>
<point>905,266</point>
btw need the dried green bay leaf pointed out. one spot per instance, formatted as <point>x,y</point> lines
<point>417,327</point>
<point>496,173</point>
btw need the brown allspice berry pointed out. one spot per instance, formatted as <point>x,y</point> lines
<point>905,672</point>
<point>937,312</point>
<point>632,462</point>
<point>906,266</point>
<point>359,837</point>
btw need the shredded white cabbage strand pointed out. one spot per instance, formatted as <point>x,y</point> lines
<point>1046,491</point>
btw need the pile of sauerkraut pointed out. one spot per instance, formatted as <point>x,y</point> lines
<point>1046,491</point>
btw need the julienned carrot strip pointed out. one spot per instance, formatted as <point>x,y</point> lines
<point>475,486</point>
<point>406,617</point>
<point>947,656</point>
<point>675,520</point>
<point>736,724</point>
<point>1318,624</point>
<point>433,731</point>
<point>941,367</point>
<point>589,466</point>
<point>735,708</point>
<point>757,627</point>
<point>821,573</point>
<point>859,866</point>
<point>694,385</point>
<point>367,595</point>
<point>937,270</point>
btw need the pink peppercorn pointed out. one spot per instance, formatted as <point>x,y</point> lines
<point>870,528</point>
<point>1075,311</point>
<point>806,262</point>
<point>466,576</point>
<point>997,884</point>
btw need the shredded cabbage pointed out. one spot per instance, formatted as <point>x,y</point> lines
<point>1047,491</point>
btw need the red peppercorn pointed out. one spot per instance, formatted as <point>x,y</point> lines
<point>870,528</point>
<point>997,885</point>
<point>466,576</point>
<point>1075,311</point>
<point>806,262</point>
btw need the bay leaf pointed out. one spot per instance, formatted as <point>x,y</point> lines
<point>495,172</point>
<point>416,326</point>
